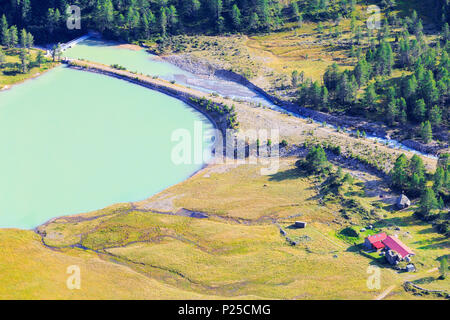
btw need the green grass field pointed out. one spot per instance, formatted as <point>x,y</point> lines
<point>239,251</point>
<point>10,73</point>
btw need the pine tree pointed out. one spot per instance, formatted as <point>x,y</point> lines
<point>50,21</point>
<point>370,97</point>
<point>163,22</point>
<point>402,106</point>
<point>316,160</point>
<point>23,61</point>
<point>2,58</point>
<point>391,112</point>
<point>399,173</point>
<point>294,79</point>
<point>426,132</point>
<point>419,110</point>
<point>23,39</point>
<point>39,58</point>
<point>428,88</point>
<point>254,21</point>
<point>428,202</point>
<point>443,268</point>
<point>362,72</point>
<point>417,172</point>
<point>435,116</point>
<point>236,17</point>
<point>295,11</point>
<point>191,8</point>
<point>25,11</point>
<point>410,88</point>
<point>13,37</point>
<point>5,31</point>
<point>263,10</point>
<point>438,179</point>
<point>172,17</point>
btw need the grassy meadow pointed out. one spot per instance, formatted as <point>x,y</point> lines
<point>238,251</point>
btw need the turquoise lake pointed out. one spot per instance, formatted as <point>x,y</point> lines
<point>109,53</point>
<point>73,141</point>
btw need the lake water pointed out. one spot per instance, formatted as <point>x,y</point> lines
<point>108,53</point>
<point>141,61</point>
<point>73,141</point>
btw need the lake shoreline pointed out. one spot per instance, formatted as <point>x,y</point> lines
<point>31,77</point>
<point>171,89</point>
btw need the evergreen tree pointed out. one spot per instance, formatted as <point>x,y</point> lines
<point>23,61</point>
<point>443,268</point>
<point>191,8</point>
<point>391,112</point>
<point>163,22</point>
<point>5,31</point>
<point>435,116</point>
<point>419,110</point>
<point>23,39</point>
<point>39,58</point>
<point>295,11</point>
<point>263,13</point>
<point>254,21</point>
<point>2,58</point>
<point>438,179</point>
<point>13,37</point>
<point>399,173</point>
<point>362,72</point>
<point>428,202</point>
<point>370,97</point>
<point>236,17</point>
<point>25,11</point>
<point>426,132</point>
<point>316,160</point>
<point>417,172</point>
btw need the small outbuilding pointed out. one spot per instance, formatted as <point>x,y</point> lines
<point>410,268</point>
<point>300,224</point>
<point>403,202</point>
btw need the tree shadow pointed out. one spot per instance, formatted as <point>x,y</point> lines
<point>290,174</point>
<point>425,280</point>
<point>11,72</point>
<point>397,221</point>
<point>427,231</point>
<point>437,243</point>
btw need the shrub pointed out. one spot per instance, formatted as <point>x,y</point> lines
<point>350,232</point>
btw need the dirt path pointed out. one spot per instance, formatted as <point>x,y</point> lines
<point>389,289</point>
<point>385,293</point>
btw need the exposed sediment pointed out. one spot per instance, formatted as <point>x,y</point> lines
<point>204,68</point>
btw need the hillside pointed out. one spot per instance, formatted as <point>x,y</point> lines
<point>228,231</point>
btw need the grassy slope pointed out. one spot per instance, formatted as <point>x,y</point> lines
<point>239,251</point>
<point>28,270</point>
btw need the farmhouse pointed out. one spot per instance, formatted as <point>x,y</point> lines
<point>375,242</point>
<point>394,244</point>
<point>395,249</point>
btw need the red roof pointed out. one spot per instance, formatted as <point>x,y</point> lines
<point>393,243</point>
<point>378,245</point>
<point>377,238</point>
